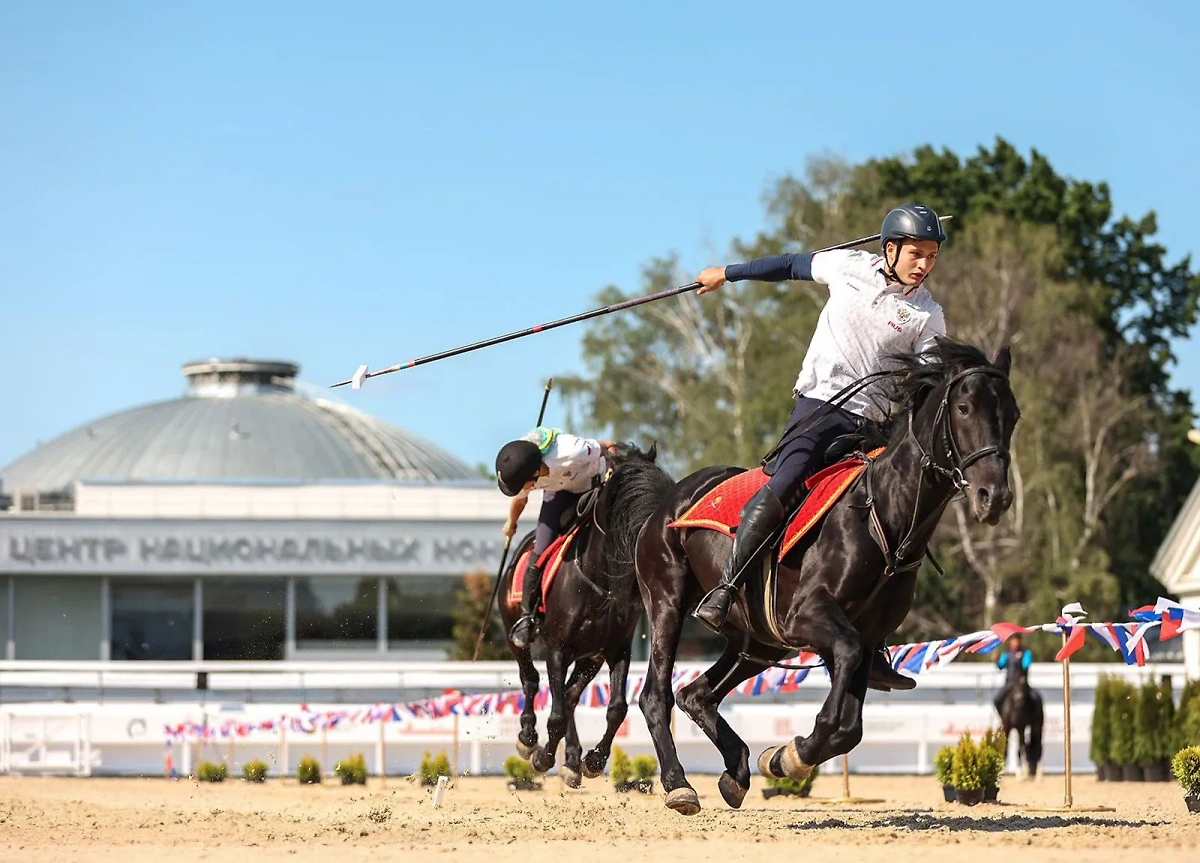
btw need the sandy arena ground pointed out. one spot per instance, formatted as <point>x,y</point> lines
<point>143,820</point>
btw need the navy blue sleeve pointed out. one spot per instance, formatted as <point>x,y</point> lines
<point>773,268</point>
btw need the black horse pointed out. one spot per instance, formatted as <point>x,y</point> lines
<point>845,587</point>
<point>592,610</point>
<point>1021,711</point>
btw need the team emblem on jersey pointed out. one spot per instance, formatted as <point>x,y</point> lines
<point>903,313</point>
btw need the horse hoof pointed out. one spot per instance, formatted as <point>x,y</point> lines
<point>764,761</point>
<point>683,800</point>
<point>794,767</point>
<point>524,750</point>
<point>593,765</point>
<point>733,793</point>
<point>571,777</point>
<point>542,761</point>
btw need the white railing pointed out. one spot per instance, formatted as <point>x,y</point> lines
<point>403,676</point>
<point>46,744</point>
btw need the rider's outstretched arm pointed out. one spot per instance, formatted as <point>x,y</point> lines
<point>773,268</point>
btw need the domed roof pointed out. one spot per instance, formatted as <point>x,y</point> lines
<point>239,419</point>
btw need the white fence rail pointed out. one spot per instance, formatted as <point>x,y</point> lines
<point>126,736</point>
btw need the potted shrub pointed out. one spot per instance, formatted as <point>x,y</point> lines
<point>1186,767</point>
<point>255,770</point>
<point>1187,720</point>
<point>212,771</point>
<point>1100,749</point>
<point>621,770</point>
<point>785,787</point>
<point>966,773</point>
<point>645,768</point>
<point>521,776</point>
<point>308,771</point>
<point>431,768</point>
<point>993,745</point>
<point>352,770</point>
<point>1166,743</point>
<point>991,766</point>
<point>943,769</point>
<point>1123,746</point>
<point>1145,726</point>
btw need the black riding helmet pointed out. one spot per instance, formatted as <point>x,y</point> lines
<point>909,222</point>
<point>517,463</point>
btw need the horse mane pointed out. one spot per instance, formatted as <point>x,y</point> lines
<point>921,374</point>
<point>634,490</point>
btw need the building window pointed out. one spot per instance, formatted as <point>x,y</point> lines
<point>152,619</point>
<point>244,618</point>
<point>336,613</point>
<point>58,617</point>
<point>421,608</point>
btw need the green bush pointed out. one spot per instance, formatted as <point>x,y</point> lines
<point>943,765</point>
<point>1123,709</point>
<point>621,770</point>
<point>255,771</point>
<point>431,768</point>
<point>800,789</point>
<point>1145,723</point>
<point>517,769</point>
<point>309,771</point>
<point>1166,743</point>
<point>352,770</point>
<point>644,767</point>
<point>967,772</point>
<point>1186,767</point>
<point>1187,720</point>
<point>991,766</point>
<point>212,771</point>
<point>994,739</point>
<point>1100,748</point>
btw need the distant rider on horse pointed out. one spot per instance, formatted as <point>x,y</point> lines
<point>877,306</point>
<point>1016,659</point>
<point>565,466</point>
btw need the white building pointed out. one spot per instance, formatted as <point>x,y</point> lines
<point>247,520</point>
<point>1177,566</point>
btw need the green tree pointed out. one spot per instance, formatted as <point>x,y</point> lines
<point>1087,300</point>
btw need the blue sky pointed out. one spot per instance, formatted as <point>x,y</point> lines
<point>371,182</point>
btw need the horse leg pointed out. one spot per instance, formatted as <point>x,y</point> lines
<point>556,723</point>
<point>618,708</point>
<point>528,737</point>
<point>823,622</point>
<point>583,674</point>
<point>665,612</point>
<point>700,699</point>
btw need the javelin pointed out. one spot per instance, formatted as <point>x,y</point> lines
<point>363,372</point>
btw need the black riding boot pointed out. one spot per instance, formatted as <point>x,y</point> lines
<point>885,678</point>
<point>761,515</point>
<point>525,630</point>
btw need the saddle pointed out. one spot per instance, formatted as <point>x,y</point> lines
<point>720,510</point>
<point>552,558</point>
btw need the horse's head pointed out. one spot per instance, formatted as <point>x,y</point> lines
<point>962,414</point>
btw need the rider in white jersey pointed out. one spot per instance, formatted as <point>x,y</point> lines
<point>877,306</point>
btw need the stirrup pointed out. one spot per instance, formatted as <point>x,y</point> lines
<point>722,606</point>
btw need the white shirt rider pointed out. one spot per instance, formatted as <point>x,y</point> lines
<point>867,317</point>
<point>573,462</point>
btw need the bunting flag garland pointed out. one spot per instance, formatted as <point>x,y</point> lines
<point>1128,639</point>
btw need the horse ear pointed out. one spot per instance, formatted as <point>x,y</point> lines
<point>653,452</point>
<point>1003,360</point>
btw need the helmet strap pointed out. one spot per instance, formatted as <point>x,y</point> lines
<point>889,268</point>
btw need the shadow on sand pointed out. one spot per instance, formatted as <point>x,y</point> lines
<point>1015,822</point>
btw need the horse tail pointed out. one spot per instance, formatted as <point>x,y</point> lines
<point>635,490</point>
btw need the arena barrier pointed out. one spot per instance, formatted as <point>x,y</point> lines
<point>899,737</point>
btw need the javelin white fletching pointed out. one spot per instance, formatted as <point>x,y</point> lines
<point>360,375</point>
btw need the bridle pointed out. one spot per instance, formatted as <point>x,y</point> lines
<point>943,433</point>
<point>942,427</point>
